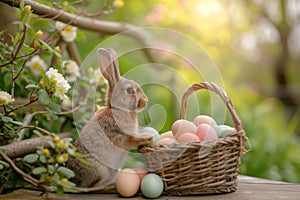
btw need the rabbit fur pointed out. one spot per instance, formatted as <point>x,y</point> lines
<point>112,130</point>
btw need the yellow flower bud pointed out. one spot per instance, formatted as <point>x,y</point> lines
<point>60,144</point>
<point>65,4</point>
<point>27,8</point>
<point>64,181</point>
<point>60,159</point>
<point>118,3</point>
<point>67,144</point>
<point>39,33</point>
<point>57,48</point>
<point>46,152</point>
<point>56,139</point>
<point>66,157</point>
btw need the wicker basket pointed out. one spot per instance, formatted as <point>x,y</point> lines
<point>201,167</point>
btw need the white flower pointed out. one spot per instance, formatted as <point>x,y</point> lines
<point>5,98</point>
<point>67,103</point>
<point>71,69</point>
<point>60,84</point>
<point>36,64</point>
<point>97,77</point>
<point>67,32</point>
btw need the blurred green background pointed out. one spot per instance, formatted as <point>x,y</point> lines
<point>256,48</point>
<point>253,47</point>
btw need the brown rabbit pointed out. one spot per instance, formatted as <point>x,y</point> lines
<point>112,130</point>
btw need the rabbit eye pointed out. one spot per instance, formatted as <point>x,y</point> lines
<point>130,90</point>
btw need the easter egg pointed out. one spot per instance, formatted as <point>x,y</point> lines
<point>128,183</point>
<point>141,172</point>
<point>165,141</point>
<point>168,134</point>
<point>152,186</point>
<point>183,126</point>
<point>204,119</point>
<point>152,131</point>
<point>205,132</point>
<point>223,130</point>
<point>188,138</point>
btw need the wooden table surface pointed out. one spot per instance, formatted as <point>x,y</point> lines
<point>248,189</point>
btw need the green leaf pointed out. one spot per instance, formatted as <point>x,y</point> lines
<point>6,119</point>
<point>43,97</point>
<point>29,86</point>
<point>65,172</point>
<point>31,158</point>
<point>38,133</point>
<point>60,190</point>
<point>51,169</point>
<point>83,161</point>
<point>54,107</point>
<point>17,123</point>
<point>51,114</point>
<point>51,143</point>
<point>4,164</point>
<point>43,159</point>
<point>46,46</point>
<point>39,170</point>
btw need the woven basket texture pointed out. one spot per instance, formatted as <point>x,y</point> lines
<point>208,167</point>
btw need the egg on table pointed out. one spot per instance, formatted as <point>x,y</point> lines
<point>128,182</point>
<point>152,186</point>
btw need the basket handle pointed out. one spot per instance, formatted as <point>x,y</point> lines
<point>219,91</point>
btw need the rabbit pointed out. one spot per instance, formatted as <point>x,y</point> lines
<point>112,130</point>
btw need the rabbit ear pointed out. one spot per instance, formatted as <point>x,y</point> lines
<point>108,62</point>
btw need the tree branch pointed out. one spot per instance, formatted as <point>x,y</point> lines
<point>26,177</point>
<point>85,22</point>
<point>24,147</point>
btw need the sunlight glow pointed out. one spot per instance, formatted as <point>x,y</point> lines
<point>207,8</point>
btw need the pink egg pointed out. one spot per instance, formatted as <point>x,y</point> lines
<point>141,172</point>
<point>188,138</point>
<point>205,132</point>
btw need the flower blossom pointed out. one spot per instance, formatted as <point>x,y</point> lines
<point>36,64</point>
<point>5,98</point>
<point>96,77</point>
<point>67,32</point>
<point>71,69</point>
<point>59,83</point>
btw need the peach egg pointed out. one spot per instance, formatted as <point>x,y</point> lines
<point>168,134</point>
<point>205,132</point>
<point>188,138</point>
<point>204,119</point>
<point>128,182</point>
<point>183,126</point>
<point>165,141</point>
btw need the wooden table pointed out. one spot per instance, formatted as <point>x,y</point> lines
<point>248,189</point>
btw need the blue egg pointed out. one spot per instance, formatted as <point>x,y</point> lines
<point>151,130</point>
<point>152,186</point>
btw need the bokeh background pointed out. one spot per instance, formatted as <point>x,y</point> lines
<point>255,45</point>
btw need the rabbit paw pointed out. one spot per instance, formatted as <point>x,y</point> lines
<point>142,138</point>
